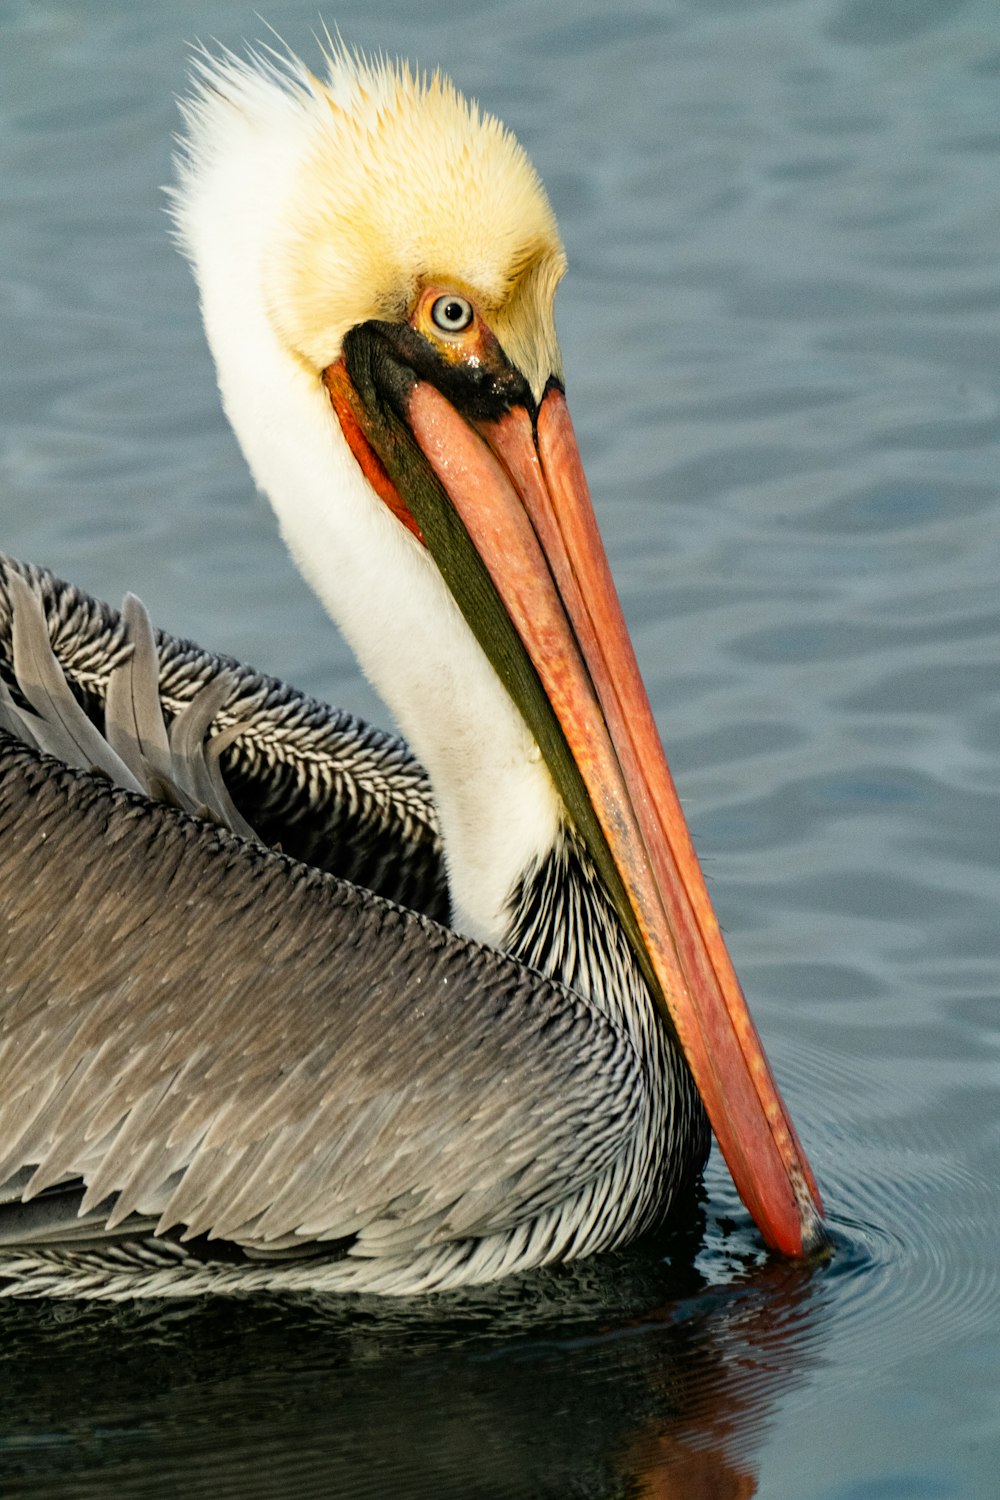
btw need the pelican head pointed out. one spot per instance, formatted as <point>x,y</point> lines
<point>378,262</point>
<point>364,191</point>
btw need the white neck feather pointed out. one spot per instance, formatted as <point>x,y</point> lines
<point>499,809</point>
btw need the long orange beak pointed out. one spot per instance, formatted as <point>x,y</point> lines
<point>518,488</point>
<point>527,509</point>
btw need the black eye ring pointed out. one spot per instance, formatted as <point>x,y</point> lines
<point>451,313</point>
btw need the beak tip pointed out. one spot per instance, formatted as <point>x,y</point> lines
<point>816,1243</point>
<point>809,1239</point>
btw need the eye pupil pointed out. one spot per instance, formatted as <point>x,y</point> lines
<point>452,314</point>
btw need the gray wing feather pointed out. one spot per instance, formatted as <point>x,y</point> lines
<point>193,767</point>
<point>133,714</point>
<point>214,1037</point>
<point>61,728</point>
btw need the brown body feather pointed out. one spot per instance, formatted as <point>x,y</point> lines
<point>202,1039</point>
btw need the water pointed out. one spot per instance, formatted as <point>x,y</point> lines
<point>782,333</point>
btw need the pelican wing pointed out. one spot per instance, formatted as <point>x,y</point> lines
<point>213,1037</point>
<point>328,788</point>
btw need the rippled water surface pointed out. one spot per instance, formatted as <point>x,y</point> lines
<point>781,336</point>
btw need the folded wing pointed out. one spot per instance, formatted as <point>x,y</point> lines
<point>206,1036</point>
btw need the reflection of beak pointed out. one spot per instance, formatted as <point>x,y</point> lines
<point>536,563</point>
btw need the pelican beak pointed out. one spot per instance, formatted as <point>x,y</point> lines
<point>492,483</point>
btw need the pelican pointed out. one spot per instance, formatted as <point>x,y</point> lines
<point>424,1014</point>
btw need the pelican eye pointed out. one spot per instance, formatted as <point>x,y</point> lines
<point>452,314</point>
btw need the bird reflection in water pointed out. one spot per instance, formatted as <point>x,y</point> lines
<point>623,1376</point>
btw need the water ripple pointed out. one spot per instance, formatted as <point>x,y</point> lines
<point>781,337</point>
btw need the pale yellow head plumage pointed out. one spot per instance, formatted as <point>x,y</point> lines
<point>402,183</point>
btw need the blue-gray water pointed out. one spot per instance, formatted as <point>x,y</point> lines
<point>782,338</point>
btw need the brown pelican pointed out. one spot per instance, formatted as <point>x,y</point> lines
<point>224,1068</point>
